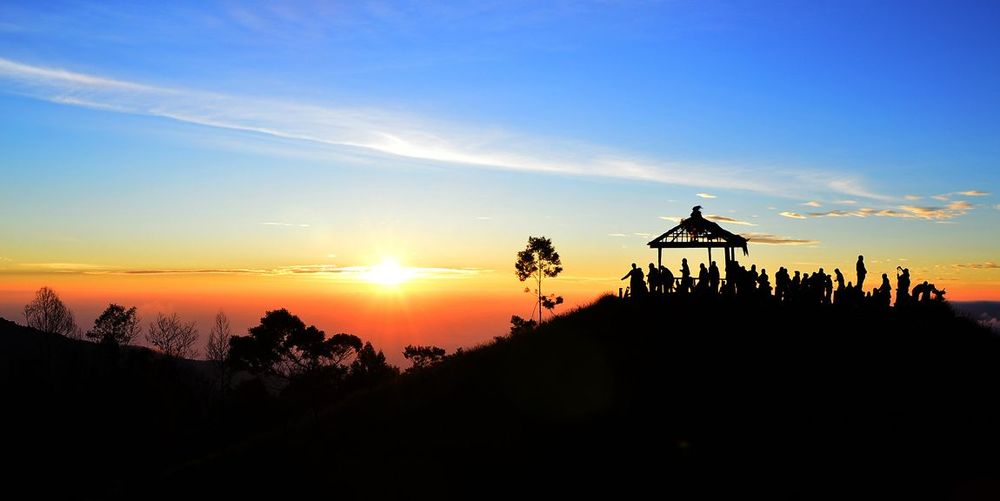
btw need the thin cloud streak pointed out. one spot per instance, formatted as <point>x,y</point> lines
<point>770,239</point>
<point>395,134</point>
<point>357,273</point>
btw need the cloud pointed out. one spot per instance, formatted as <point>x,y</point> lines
<point>954,209</point>
<point>812,203</point>
<point>271,223</point>
<point>355,273</point>
<point>912,198</point>
<point>793,215</point>
<point>617,235</point>
<point>672,219</point>
<point>363,131</point>
<point>974,193</point>
<point>846,202</point>
<point>997,206</point>
<point>769,239</point>
<point>941,198</point>
<point>705,195</point>
<point>726,219</point>
<point>989,265</point>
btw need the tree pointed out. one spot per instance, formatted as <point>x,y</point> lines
<point>423,356</point>
<point>47,313</point>
<point>116,326</point>
<point>283,346</point>
<point>370,367</point>
<point>173,337</point>
<point>217,347</point>
<point>539,260</point>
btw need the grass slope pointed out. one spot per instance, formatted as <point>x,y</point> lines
<point>694,399</point>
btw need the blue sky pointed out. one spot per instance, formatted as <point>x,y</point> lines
<point>167,134</point>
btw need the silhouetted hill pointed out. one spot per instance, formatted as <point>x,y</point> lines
<point>78,416</point>
<point>679,399</point>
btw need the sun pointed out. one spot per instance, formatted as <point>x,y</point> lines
<point>389,272</point>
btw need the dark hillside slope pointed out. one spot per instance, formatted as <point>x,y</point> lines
<point>693,399</point>
<point>77,416</point>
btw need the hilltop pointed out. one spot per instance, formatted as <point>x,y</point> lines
<point>684,397</point>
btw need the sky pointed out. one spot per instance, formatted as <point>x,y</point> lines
<point>191,156</point>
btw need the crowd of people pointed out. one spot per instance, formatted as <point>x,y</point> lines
<point>818,287</point>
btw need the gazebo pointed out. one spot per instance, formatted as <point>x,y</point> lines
<point>698,232</point>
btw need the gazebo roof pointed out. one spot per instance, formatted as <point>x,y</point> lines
<point>698,232</point>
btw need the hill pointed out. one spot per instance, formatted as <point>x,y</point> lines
<point>685,398</point>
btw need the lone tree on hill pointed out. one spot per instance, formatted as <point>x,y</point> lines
<point>423,356</point>
<point>537,261</point>
<point>217,347</point>
<point>173,337</point>
<point>116,326</point>
<point>47,313</point>
<point>283,346</point>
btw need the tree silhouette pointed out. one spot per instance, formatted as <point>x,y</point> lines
<point>370,367</point>
<point>173,337</point>
<point>116,326</point>
<point>47,313</point>
<point>217,347</point>
<point>283,346</point>
<point>538,261</point>
<point>423,356</point>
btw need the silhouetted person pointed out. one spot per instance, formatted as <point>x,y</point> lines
<point>781,282</point>
<point>763,283</point>
<point>902,286</point>
<point>703,280</point>
<point>685,274</point>
<point>696,211</point>
<point>922,292</point>
<point>666,279</point>
<point>885,290</point>
<point>796,285</point>
<point>635,282</point>
<point>653,279</point>
<point>840,279</point>
<point>828,289</point>
<point>862,273</point>
<point>713,278</point>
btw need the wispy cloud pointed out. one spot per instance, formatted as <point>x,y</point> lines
<point>366,131</point>
<point>726,219</point>
<point>705,195</point>
<point>974,193</point>
<point>274,223</point>
<point>846,202</point>
<point>912,198</point>
<point>989,265</point>
<point>332,271</point>
<point>618,235</point>
<point>769,239</point>
<point>941,198</point>
<point>953,210</point>
<point>812,203</point>
<point>793,215</point>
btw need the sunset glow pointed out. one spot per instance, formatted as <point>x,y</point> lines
<point>253,158</point>
<point>389,273</point>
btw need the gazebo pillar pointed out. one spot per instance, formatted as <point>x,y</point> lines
<point>659,257</point>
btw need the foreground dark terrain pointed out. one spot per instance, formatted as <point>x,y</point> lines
<point>689,399</point>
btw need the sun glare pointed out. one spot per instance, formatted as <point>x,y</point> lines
<point>388,272</point>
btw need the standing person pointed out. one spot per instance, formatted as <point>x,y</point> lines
<point>653,279</point>
<point>666,279</point>
<point>862,272</point>
<point>713,278</point>
<point>902,286</point>
<point>635,282</point>
<point>685,276</point>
